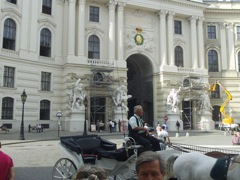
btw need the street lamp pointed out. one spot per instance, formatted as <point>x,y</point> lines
<point>59,115</point>
<point>85,122</point>
<point>23,97</point>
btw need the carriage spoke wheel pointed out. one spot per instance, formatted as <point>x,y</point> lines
<point>64,169</point>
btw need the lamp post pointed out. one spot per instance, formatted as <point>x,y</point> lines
<point>85,122</point>
<point>23,97</point>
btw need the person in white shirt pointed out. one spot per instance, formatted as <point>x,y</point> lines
<point>163,135</point>
<point>139,133</point>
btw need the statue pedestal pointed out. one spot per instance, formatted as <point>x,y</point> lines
<point>75,122</point>
<point>119,114</point>
<point>172,119</point>
<point>206,122</point>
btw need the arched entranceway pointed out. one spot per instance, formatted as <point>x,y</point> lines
<point>140,85</point>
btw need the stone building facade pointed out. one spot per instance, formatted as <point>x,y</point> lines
<point>151,47</point>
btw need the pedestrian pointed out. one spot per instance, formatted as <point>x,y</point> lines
<point>110,124</point>
<point>165,123</point>
<point>98,125</point>
<point>29,128</point>
<point>150,166</point>
<point>119,125</point>
<point>158,129</point>
<point>6,166</point>
<point>139,133</point>
<point>177,126</point>
<point>91,173</point>
<point>164,136</point>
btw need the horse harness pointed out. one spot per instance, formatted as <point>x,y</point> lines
<point>220,169</point>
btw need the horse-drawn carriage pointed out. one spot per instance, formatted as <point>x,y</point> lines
<point>94,150</point>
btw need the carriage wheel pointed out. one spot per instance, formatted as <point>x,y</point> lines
<point>64,169</point>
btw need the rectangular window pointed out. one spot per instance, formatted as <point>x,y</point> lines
<point>46,81</point>
<point>238,33</point>
<point>94,14</point>
<point>12,1</point>
<point>47,7</point>
<point>211,32</point>
<point>177,27</point>
<point>8,77</point>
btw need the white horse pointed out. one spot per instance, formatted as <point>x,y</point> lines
<point>196,166</point>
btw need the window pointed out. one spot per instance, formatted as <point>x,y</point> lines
<point>45,43</point>
<point>212,61</point>
<point>8,76</point>
<point>12,1</point>
<point>7,108</point>
<point>178,56</point>
<point>238,61</point>
<point>46,81</point>
<point>94,14</point>
<point>216,94</point>
<point>93,47</point>
<point>9,34</point>
<point>98,77</point>
<point>178,27</point>
<point>211,32</point>
<point>45,110</point>
<point>47,7</point>
<point>238,33</point>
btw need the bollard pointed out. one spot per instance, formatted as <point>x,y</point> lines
<point>187,134</point>
<point>177,135</point>
<point>225,133</point>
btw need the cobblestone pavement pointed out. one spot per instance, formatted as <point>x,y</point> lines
<point>35,157</point>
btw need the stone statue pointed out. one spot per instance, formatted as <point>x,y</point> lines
<point>204,103</point>
<point>173,100</point>
<point>76,96</point>
<point>120,98</point>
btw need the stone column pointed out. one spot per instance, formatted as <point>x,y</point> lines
<point>121,5</point>
<point>200,43</point>
<point>111,42</point>
<point>194,53</point>
<point>223,46</point>
<point>170,38</point>
<point>231,57</point>
<point>162,40</point>
<point>81,27</point>
<point>71,26</point>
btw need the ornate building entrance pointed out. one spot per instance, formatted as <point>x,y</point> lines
<point>140,85</point>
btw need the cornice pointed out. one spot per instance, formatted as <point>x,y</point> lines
<point>11,10</point>
<point>222,11</point>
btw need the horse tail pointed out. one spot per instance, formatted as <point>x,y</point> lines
<point>169,166</point>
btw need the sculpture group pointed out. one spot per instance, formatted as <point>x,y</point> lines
<point>76,96</point>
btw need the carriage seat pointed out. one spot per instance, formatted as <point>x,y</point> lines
<point>97,148</point>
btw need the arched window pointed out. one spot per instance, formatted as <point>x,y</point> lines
<point>239,61</point>
<point>212,61</point>
<point>93,47</point>
<point>9,34</point>
<point>45,110</point>
<point>7,108</point>
<point>178,56</point>
<point>98,77</point>
<point>45,43</point>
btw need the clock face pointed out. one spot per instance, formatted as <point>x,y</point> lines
<point>138,39</point>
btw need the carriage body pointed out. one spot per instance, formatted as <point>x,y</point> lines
<point>93,150</point>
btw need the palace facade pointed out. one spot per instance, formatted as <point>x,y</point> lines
<point>150,46</point>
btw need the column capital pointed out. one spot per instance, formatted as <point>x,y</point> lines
<point>200,19</point>
<point>112,4</point>
<point>121,4</point>
<point>229,25</point>
<point>192,19</point>
<point>71,1</point>
<point>162,13</point>
<point>222,25</point>
<point>81,2</point>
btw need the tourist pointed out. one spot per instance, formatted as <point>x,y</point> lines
<point>91,173</point>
